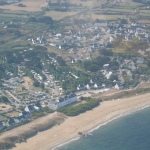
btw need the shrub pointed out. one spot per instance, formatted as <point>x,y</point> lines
<point>81,108</point>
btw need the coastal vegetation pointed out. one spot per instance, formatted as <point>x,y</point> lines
<point>42,112</point>
<point>89,104</point>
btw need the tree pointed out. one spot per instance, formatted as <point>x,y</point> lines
<point>23,88</point>
<point>42,86</point>
<point>4,99</point>
<point>113,77</point>
<point>148,63</point>
<point>32,19</point>
<point>123,21</point>
<point>61,61</point>
<point>106,52</point>
<point>36,83</point>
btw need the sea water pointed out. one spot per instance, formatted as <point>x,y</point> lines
<point>131,132</point>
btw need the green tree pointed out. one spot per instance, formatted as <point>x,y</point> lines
<point>4,99</point>
<point>42,86</point>
<point>36,83</point>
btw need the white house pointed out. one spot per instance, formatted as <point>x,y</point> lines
<point>29,108</point>
<point>81,87</point>
<point>108,75</point>
<point>63,101</point>
<point>118,87</point>
<point>10,1</point>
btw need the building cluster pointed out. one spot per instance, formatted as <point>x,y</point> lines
<point>126,70</point>
<point>23,116</point>
<point>91,36</point>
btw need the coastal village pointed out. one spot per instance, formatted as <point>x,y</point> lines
<point>52,93</point>
<point>64,65</point>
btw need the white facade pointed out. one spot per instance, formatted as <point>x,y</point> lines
<point>63,101</point>
<point>10,1</point>
<point>118,87</point>
<point>27,109</point>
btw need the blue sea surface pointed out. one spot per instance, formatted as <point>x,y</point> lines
<point>131,132</point>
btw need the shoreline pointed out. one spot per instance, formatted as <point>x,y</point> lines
<point>87,122</point>
<point>103,124</point>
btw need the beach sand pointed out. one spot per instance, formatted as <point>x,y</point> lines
<point>69,129</point>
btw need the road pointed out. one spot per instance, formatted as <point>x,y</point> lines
<point>11,95</point>
<point>55,90</point>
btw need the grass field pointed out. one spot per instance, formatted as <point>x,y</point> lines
<point>56,15</point>
<point>106,17</point>
<point>12,114</point>
<point>1,117</point>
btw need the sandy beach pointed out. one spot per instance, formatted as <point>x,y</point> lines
<point>69,129</point>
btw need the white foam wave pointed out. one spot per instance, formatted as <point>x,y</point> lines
<point>117,117</point>
<point>66,143</point>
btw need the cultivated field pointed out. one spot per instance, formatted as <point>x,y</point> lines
<point>56,15</point>
<point>30,6</point>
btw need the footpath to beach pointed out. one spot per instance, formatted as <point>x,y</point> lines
<point>69,129</point>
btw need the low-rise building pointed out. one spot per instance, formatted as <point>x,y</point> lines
<point>81,87</point>
<point>118,86</point>
<point>63,101</point>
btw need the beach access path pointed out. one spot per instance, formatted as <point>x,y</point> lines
<point>69,129</point>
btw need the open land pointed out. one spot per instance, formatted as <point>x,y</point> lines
<point>59,15</point>
<point>27,82</point>
<point>4,106</point>
<point>72,125</point>
<point>30,6</point>
<point>12,114</point>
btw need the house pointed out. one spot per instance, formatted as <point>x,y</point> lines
<point>11,122</point>
<point>91,49</point>
<point>63,101</point>
<point>81,87</point>
<point>37,106</point>
<point>142,36</point>
<point>148,50</point>
<point>74,61</point>
<point>96,86</point>
<point>131,65</point>
<point>118,86</point>
<point>25,114</point>
<point>89,86</point>
<point>29,108</point>
<point>108,75</point>
<point>21,118</point>
<point>91,81</point>
<point>73,51</point>
<point>129,37</point>
<point>139,60</point>
<point>141,52</point>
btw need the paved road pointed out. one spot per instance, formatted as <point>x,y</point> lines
<point>55,90</point>
<point>11,95</point>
